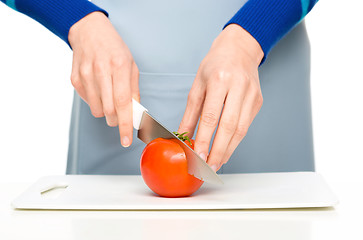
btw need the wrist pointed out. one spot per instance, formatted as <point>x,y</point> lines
<point>76,31</point>
<point>245,41</point>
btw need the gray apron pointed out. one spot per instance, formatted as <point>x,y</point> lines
<point>168,40</point>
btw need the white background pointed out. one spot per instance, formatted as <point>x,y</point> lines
<point>36,94</point>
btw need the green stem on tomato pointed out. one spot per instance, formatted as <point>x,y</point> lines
<point>183,137</point>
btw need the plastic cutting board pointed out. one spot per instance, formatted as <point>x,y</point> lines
<point>129,192</point>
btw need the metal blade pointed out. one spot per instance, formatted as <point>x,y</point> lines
<point>151,129</point>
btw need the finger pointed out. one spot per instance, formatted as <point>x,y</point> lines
<point>78,86</point>
<point>94,101</point>
<point>211,111</point>
<point>135,92</point>
<point>226,127</point>
<point>250,107</point>
<point>103,83</point>
<point>193,109</point>
<point>123,103</point>
<point>76,80</point>
<point>107,99</point>
<point>92,93</point>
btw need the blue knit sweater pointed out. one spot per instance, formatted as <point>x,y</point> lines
<point>266,20</point>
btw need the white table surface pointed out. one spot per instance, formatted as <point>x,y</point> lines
<point>342,222</point>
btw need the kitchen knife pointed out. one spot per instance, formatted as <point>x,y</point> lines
<point>149,129</point>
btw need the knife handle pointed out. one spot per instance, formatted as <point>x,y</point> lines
<point>137,112</point>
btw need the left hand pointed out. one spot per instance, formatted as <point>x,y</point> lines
<point>227,76</point>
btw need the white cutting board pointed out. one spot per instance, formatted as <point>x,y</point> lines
<point>129,192</point>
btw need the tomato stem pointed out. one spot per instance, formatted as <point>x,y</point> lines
<point>183,137</point>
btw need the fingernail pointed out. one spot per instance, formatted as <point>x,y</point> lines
<point>125,141</point>
<point>214,167</point>
<point>202,155</point>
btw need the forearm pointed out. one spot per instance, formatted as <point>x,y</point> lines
<point>56,15</point>
<point>268,21</point>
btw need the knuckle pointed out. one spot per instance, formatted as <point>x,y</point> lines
<point>186,126</point>
<point>76,83</point>
<point>99,66</point>
<point>245,81</point>
<point>209,119</point>
<point>241,131</point>
<point>96,109</point>
<point>259,100</point>
<point>122,101</point>
<point>185,123</point>
<point>120,62</point>
<point>202,145</point>
<point>194,98</point>
<point>218,153</point>
<point>228,125</point>
<point>135,67</point>
<point>85,71</point>
<point>221,75</point>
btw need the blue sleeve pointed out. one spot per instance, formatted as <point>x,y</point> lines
<point>56,15</point>
<point>269,20</point>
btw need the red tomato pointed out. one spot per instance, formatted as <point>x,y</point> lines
<point>164,169</point>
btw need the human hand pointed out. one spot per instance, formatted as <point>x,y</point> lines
<point>226,89</point>
<point>104,73</point>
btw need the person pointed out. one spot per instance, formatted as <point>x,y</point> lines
<point>203,64</point>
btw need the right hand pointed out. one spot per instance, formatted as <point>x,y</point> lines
<point>104,73</point>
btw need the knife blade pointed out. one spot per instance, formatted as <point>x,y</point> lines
<point>149,129</point>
